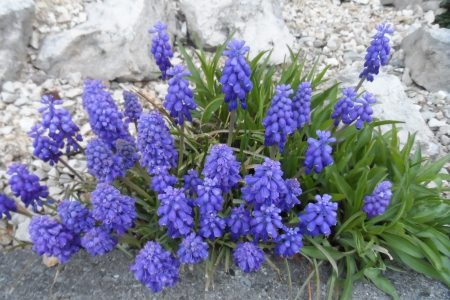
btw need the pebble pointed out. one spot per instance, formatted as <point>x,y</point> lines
<point>26,124</point>
<point>406,78</point>
<point>434,124</point>
<point>21,101</point>
<point>72,93</point>
<point>8,87</point>
<point>445,140</point>
<point>433,149</point>
<point>6,130</point>
<point>9,97</point>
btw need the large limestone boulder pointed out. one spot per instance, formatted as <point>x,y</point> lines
<point>16,19</point>
<point>393,104</point>
<point>427,55</point>
<point>113,44</point>
<point>259,23</point>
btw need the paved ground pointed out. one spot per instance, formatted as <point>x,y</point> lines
<point>107,277</point>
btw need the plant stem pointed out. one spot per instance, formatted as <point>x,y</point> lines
<point>307,280</point>
<point>289,278</point>
<point>70,168</point>
<point>273,151</point>
<point>180,154</point>
<point>231,127</point>
<point>360,83</point>
<point>300,172</point>
<point>79,146</point>
<point>143,172</point>
<point>136,188</point>
<point>128,254</point>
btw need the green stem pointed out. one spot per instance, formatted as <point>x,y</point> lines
<point>70,168</point>
<point>307,280</point>
<point>273,151</point>
<point>300,172</point>
<point>136,189</point>
<point>180,154</point>
<point>79,146</point>
<point>231,127</point>
<point>317,280</point>
<point>346,224</point>
<point>143,172</point>
<point>128,254</point>
<point>360,83</point>
<point>289,278</point>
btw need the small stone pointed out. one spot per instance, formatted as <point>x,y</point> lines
<point>21,101</point>
<point>82,17</point>
<point>445,140</point>
<point>22,233</point>
<point>64,15</point>
<point>320,35</point>
<point>429,16</point>
<point>74,79</point>
<point>8,87</point>
<point>353,56</point>
<point>65,178</point>
<point>365,2</point>
<point>439,115</point>
<point>41,174</point>
<point>445,129</point>
<point>48,84</point>
<point>55,190</point>
<point>161,89</point>
<point>85,129</point>
<point>9,97</point>
<point>34,41</point>
<point>26,124</point>
<point>6,130</point>
<point>334,43</point>
<point>434,124</point>
<point>72,93</point>
<point>441,95</point>
<point>318,44</point>
<point>5,238</point>
<point>433,149</point>
<point>332,61</point>
<point>406,78</point>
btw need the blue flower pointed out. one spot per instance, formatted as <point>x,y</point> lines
<point>98,241</point>
<point>59,123</point>
<point>53,239</point>
<point>162,180</point>
<point>248,256</point>
<point>102,162</point>
<point>318,154</point>
<point>301,104</point>
<point>75,216</point>
<point>318,217</point>
<point>289,197</point>
<point>127,152</point>
<point>156,267</point>
<point>209,196</point>
<point>235,78</point>
<point>211,226</point>
<point>239,222</point>
<point>362,113</point>
<point>266,222</point>
<point>378,52</point>
<point>161,49</point>
<point>279,121</point>
<point>26,186</point>
<point>180,98</point>
<point>344,106</point>
<point>6,206</point>
<point>115,211</point>
<point>289,243</point>
<point>192,181</point>
<point>377,202</point>
<point>221,165</point>
<point>175,212</point>
<point>192,249</point>
<point>155,143</point>
<point>133,108</point>
<point>266,186</point>
<point>44,148</point>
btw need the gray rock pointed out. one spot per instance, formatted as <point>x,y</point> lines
<point>427,55</point>
<point>387,2</point>
<point>445,140</point>
<point>21,101</point>
<point>8,97</point>
<point>434,124</point>
<point>430,5</point>
<point>16,19</point>
<point>259,22</point>
<point>113,43</point>
<point>334,43</point>
<point>406,78</point>
<point>402,4</point>
<point>74,79</point>
<point>8,87</point>
<point>318,44</point>
<point>353,56</point>
<point>433,149</point>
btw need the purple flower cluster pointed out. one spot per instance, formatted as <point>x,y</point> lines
<point>289,242</point>
<point>115,211</point>
<point>127,152</point>
<point>180,98</point>
<point>222,166</point>
<point>236,73</point>
<point>104,117</point>
<point>362,113</point>
<point>266,186</point>
<point>133,108</point>
<point>162,180</point>
<point>318,154</point>
<point>102,162</point>
<point>344,106</point>
<point>318,217</point>
<point>161,49</point>
<point>378,52</point>
<point>59,123</point>
<point>377,202</point>
<point>239,222</point>
<point>98,241</point>
<point>192,249</point>
<point>279,121</point>
<point>44,147</point>
<point>267,220</point>
<point>6,206</point>
<point>53,239</point>
<point>289,198</point>
<point>175,212</point>
<point>155,267</point>
<point>155,143</point>
<point>211,225</point>
<point>192,181</point>
<point>301,104</point>
<point>75,216</point>
<point>209,196</point>
<point>248,256</point>
<point>26,186</point>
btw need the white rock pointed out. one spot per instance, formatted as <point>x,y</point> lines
<point>334,43</point>
<point>429,16</point>
<point>41,174</point>
<point>54,190</point>
<point>72,93</point>
<point>21,101</point>
<point>26,124</point>
<point>433,149</point>
<point>362,1</point>
<point>65,178</point>
<point>332,61</point>
<point>441,95</point>
<point>211,21</point>
<point>161,89</point>
<point>34,42</point>
<point>8,97</point>
<point>435,124</point>
<point>64,15</point>
<point>53,173</point>
<point>74,79</point>
<point>406,78</point>
<point>22,233</point>
<point>85,129</point>
<point>8,87</point>
<point>6,130</point>
<point>82,17</point>
<point>445,140</point>
<point>48,84</point>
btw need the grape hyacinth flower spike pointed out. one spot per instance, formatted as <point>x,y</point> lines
<point>378,53</point>
<point>209,196</point>
<point>248,256</point>
<point>239,222</point>
<point>363,112</point>
<point>320,216</point>
<point>26,186</point>
<point>133,108</point>
<point>127,152</point>
<point>75,216</point>
<point>162,180</point>
<point>377,202</point>
<point>289,242</point>
<point>236,73</point>
<point>44,148</point>
<point>7,205</point>
<point>344,106</point>
<point>301,104</point>
<point>192,249</point>
<point>161,49</point>
<point>180,98</point>
<point>98,241</point>
<point>279,121</point>
<point>102,162</point>
<point>192,181</point>
<point>318,153</point>
<point>266,222</point>
<point>211,225</point>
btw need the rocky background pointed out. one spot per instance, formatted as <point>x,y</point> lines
<point>53,45</point>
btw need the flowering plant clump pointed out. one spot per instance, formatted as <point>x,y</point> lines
<point>237,181</point>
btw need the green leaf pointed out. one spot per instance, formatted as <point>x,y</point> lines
<point>211,108</point>
<point>382,283</point>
